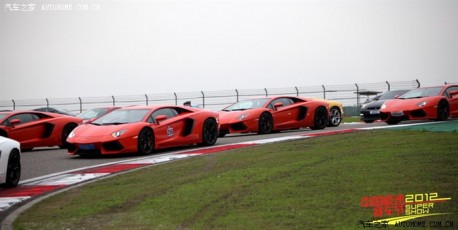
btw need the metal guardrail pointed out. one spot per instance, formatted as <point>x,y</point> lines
<point>349,95</point>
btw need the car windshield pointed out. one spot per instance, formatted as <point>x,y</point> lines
<point>122,117</point>
<point>422,92</point>
<point>248,104</point>
<point>89,114</point>
<point>392,94</point>
<point>2,116</point>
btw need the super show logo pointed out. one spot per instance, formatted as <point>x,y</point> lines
<point>399,210</point>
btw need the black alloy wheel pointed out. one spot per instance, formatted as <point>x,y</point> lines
<point>13,171</point>
<point>222,133</point>
<point>393,121</point>
<point>321,118</point>
<point>265,123</point>
<point>145,140</point>
<point>67,130</point>
<point>209,132</point>
<point>442,111</point>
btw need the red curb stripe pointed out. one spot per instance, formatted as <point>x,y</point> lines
<point>331,133</point>
<point>111,168</point>
<point>219,149</point>
<point>32,190</point>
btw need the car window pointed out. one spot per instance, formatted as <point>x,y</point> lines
<point>92,113</point>
<point>24,117</point>
<point>450,89</point>
<point>122,116</point>
<point>169,112</point>
<point>392,94</point>
<point>247,104</point>
<point>422,92</point>
<point>284,100</point>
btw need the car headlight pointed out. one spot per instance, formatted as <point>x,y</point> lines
<point>243,116</point>
<point>422,104</point>
<point>118,133</point>
<point>383,106</point>
<point>71,134</point>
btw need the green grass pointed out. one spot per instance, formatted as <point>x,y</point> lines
<point>305,184</point>
<point>351,119</point>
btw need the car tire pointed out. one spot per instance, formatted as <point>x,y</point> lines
<point>369,121</point>
<point>442,111</point>
<point>265,123</point>
<point>393,121</point>
<point>145,141</point>
<point>222,133</point>
<point>68,128</point>
<point>320,119</point>
<point>335,117</point>
<point>209,132</point>
<point>13,169</point>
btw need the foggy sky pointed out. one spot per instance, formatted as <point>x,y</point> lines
<point>137,47</point>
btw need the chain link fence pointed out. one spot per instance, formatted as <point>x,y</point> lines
<point>351,95</point>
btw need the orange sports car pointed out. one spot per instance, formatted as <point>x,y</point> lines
<point>37,129</point>
<point>269,114</point>
<point>142,129</point>
<point>434,103</point>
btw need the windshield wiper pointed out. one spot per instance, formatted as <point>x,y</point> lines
<point>114,123</point>
<point>414,97</point>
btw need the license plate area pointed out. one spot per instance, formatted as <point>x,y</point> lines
<point>374,112</point>
<point>87,146</point>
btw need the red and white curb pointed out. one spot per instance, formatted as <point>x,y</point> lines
<point>38,186</point>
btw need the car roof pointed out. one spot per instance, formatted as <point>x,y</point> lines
<point>150,107</point>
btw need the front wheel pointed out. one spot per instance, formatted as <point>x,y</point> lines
<point>266,123</point>
<point>209,132</point>
<point>320,119</point>
<point>13,171</point>
<point>67,130</point>
<point>145,141</point>
<point>335,118</point>
<point>393,121</point>
<point>442,111</point>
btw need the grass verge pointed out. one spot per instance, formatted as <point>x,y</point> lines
<point>304,184</point>
<point>351,119</point>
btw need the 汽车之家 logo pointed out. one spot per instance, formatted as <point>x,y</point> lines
<point>403,210</point>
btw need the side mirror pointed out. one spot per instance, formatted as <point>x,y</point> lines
<point>397,96</point>
<point>160,118</point>
<point>278,105</point>
<point>15,122</point>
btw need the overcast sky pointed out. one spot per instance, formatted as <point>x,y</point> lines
<point>64,48</point>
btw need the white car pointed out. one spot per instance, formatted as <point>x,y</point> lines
<point>10,162</point>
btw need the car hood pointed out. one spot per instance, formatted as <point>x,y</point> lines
<point>230,116</point>
<point>374,104</point>
<point>90,130</point>
<point>405,104</point>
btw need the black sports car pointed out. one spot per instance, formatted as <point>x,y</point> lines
<point>370,111</point>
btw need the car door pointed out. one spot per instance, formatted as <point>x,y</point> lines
<point>168,132</point>
<point>284,116</point>
<point>28,132</point>
<point>452,100</point>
